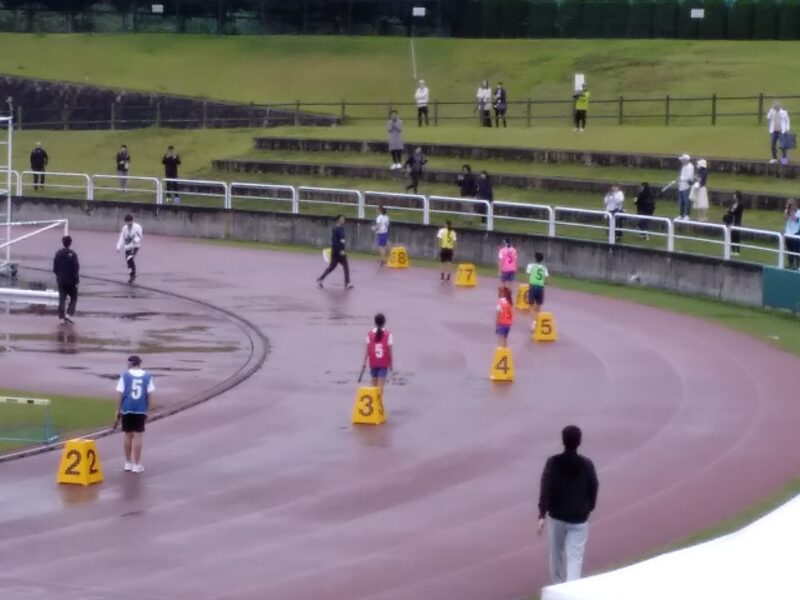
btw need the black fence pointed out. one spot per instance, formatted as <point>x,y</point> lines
<point>721,19</point>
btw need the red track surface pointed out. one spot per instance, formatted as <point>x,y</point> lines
<point>267,492</point>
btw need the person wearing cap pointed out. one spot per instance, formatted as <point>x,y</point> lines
<point>685,181</point>
<point>699,195</point>
<point>130,239</point>
<point>422,96</point>
<point>135,387</point>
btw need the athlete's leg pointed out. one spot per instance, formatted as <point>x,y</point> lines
<point>137,447</point>
<point>128,445</point>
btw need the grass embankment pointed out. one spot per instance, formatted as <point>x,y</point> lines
<point>378,69</point>
<point>71,415</point>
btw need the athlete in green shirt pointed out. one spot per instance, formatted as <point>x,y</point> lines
<point>537,277</point>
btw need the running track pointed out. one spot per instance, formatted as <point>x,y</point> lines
<point>267,492</point>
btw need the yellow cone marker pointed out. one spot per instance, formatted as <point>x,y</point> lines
<point>545,330</point>
<point>522,297</point>
<point>80,463</point>
<point>466,275</point>
<point>398,258</point>
<point>502,365</point>
<point>368,407</point>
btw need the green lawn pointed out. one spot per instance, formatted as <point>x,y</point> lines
<point>319,68</point>
<point>71,415</point>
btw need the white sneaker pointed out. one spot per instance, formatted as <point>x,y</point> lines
<point>393,167</point>
<point>773,161</point>
<point>533,326</point>
<point>128,466</point>
<point>138,468</point>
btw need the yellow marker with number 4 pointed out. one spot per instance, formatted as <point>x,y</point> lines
<point>398,258</point>
<point>545,330</point>
<point>80,463</point>
<point>466,275</point>
<point>368,407</point>
<point>502,365</point>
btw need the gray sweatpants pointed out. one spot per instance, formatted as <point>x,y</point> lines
<point>567,544</point>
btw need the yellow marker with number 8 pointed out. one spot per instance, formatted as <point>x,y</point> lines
<point>398,258</point>
<point>80,463</point>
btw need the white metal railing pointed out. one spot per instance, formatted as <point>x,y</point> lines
<point>264,191</point>
<point>723,229</point>
<point>515,208</point>
<point>42,226</point>
<point>304,191</point>
<point>128,184</point>
<point>554,218</point>
<point>85,186</point>
<point>459,208</point>
<point>385,198</point>
<point>175,186</point>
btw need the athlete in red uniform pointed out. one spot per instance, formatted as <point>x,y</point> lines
<point>505,315</point>
<point>379,352</point>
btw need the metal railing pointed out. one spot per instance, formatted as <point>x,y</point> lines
<point>609,227</point>
<point>128,184</point>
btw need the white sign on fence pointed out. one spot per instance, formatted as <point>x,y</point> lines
<point>157,9</point>
<point>580,81</point>
<point>698,13</point>
<point>418,11</point>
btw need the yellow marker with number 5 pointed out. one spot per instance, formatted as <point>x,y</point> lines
<point>545,330</point>
<point>368,407</point>
<point>502,365</point>
<point>80,463</point>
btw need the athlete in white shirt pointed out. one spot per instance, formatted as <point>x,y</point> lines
<point>130,239</point>
<point>381,229</point>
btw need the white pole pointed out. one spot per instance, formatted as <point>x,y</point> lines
<point>413,60</point>
<point>10,125</point>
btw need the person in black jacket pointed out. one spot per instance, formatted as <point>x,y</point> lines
<point>66,268</point>
<point>646,206</point>
<point>415,165</point>
<point>39,160</point>
<point>123,166</point>
<point>484,193</point>
<point>734,217</point>
<point>338,254</point>
<point>500,105</point>
<point>568,496</point>
<point>171,161</point>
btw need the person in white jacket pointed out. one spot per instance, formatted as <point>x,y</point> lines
<point>422,96</point>
<point>484,103</point>
<point>130,239</point>
<point>779,125</point>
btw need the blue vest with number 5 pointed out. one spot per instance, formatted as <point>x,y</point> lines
<point>135,398</point>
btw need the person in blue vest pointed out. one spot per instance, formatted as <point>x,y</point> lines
<point>135,387</point>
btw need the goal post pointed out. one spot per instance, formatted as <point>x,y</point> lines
<point>27,420</point>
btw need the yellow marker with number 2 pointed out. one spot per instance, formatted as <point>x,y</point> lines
<point>80,463</point>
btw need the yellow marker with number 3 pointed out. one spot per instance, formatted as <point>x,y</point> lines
<point>466,275</point>
<point>502,365</point>
<point>368,407</point>
<point>398,258</point>
<point>545,330</point>
<point>80,463</point>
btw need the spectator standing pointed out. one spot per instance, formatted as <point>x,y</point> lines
<point>394,127</point>
<point>733,216</point>
<point>338,254</point>
<point>613,202</point>
<point>415,165</point>
<point>484,192</point>
<point>792,228</point>
<point>39,160</point>
<point>467,183</point>
<point>123,166</point>
<point>422,97</point>
<point>67,271</point>
<point>581,109</point>
<point>779,126</point>
<point>484,103</point>
<point>500,105</point>
<point>568,496</point>
<point>135,387</point>
<point>645,206</point>
<point>171,161</point>
<point>684,181</point>
<point>699,194</point>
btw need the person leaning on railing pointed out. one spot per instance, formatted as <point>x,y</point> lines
<point>613,202</point>
<point>792,228</point>
<point>733,217</point>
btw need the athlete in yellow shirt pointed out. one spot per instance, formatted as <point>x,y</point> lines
<point>447,244</point>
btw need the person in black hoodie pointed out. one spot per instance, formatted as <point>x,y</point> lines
<point>646,206</point>
<point>415,165</point>
<point>338,254</point>
<point>733,216</point>
<point>66,268</point>
<point>567,497</point>
<point>484,193</point>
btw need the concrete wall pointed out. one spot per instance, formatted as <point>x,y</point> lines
<point>689,274</point>
<point>542,155</point>
<point>525,182</point>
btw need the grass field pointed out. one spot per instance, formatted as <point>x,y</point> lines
<point>319,68</point>
<point>71,415</point>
